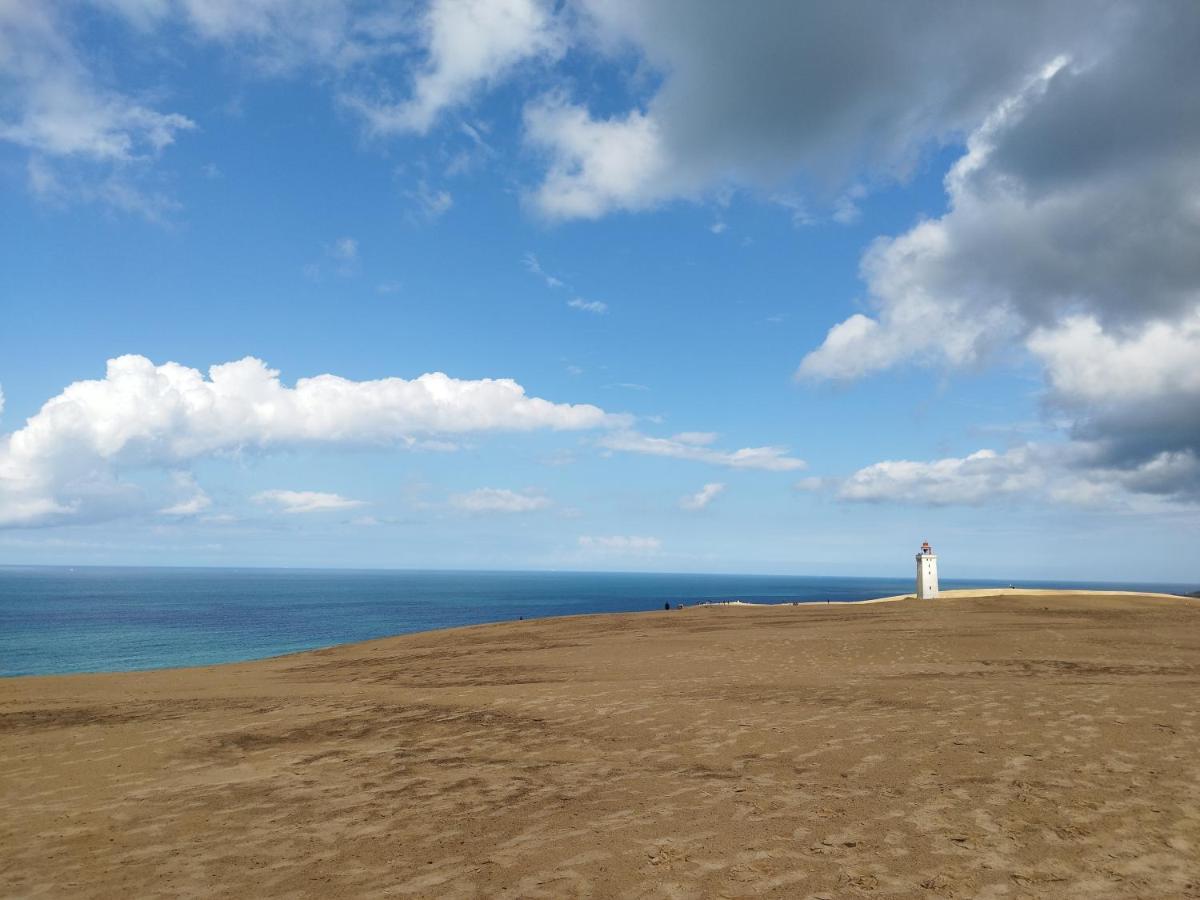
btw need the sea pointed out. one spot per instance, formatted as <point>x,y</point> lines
<point>57,620</point>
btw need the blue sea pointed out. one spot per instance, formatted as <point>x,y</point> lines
<point>58,620</point>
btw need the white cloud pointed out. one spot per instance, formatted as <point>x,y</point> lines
<point>85,140</point>
<point>771,459</point>
<point>596,165</point>
<point>696,438</point>
<point>429,202</point>
<point>624,545</point>
<point>1,400</point>
<point>845,209</point>
<point>1087,365</point>
<point>66,461</point>
<point>702,497</point>
<point>531,263</point>
<point>485,500</point>
<point>595,307</point>
<point>306,501</point>
<point>1076,473</point>
<point>278,37</point>
<point>55,107</point>
<point>470,43</point>
<point>342,255</point>
<point>345,249</point>
<point>1134,394</point>
<point>192,498</point>
<point>984,475</point>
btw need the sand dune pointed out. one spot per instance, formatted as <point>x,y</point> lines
<point>1008,745</point>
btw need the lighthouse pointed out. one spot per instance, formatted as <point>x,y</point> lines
<point>927,577</point>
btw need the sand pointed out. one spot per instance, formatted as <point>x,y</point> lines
<point>1014,745</point>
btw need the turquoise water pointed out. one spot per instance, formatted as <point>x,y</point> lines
<point>58,620</point>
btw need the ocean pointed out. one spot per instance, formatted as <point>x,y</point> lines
<point>92,619</point>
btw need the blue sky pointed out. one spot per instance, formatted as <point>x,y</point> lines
<point>788,303</point>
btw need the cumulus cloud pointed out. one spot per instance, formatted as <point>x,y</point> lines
<point>619,544</point>
<point>702,497</point>
<point>468,43</point>
<point>596,165</point>
<point>771,459</point>
<point>306,501</point>
<point>982,476</point>
<point>1073,219</point>
<point>66,461</point>
<point>1137,389</point>
<point>502,500</point>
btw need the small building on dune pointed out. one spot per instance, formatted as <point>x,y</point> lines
<point>927,573</point>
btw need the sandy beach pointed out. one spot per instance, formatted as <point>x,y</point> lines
<point>1008,744</point>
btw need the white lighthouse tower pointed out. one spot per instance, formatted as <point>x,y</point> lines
<point>927,577</point>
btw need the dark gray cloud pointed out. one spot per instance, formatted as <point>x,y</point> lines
<point>755,94</point>
<point>1073,230</point>
<point>761,90</point>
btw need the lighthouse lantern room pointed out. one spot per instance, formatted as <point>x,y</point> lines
<point>927,574</point>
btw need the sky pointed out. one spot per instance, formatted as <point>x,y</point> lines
<point>697,287</point>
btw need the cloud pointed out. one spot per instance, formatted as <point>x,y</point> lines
<point>468,44</point>
<point>1071,232</point>
<point>53,105</point>
<point>344,249</point>
<point>702,497</point>
<point>624,545</point>
<point>66,462</point>
<point>428,202</point>
<point>531,263</point>
<point>596,166</point>
<point>306,501</point>
<point>342,255</point>
<point>753,99</point>
<point>595,307</point>
<point>277,37</point>
<point>192,499</point>
<point>771,459</point>
<point>502,500</point>
<point>86,140</point>
<point>982,476</point>
<point>1137,390</point>
<point>1075,473</point>
<point>695,438</point>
